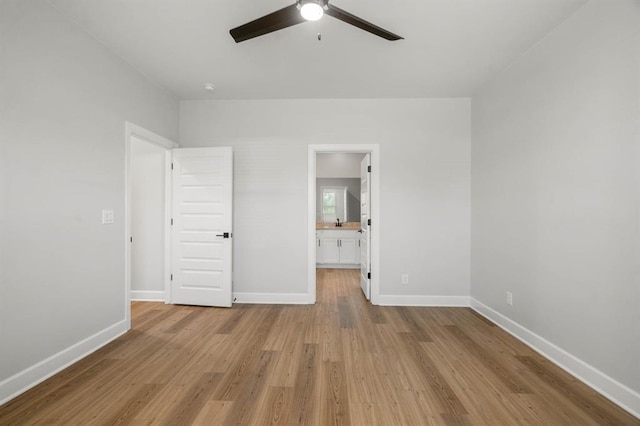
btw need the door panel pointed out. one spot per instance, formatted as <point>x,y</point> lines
<point>330,250</point>
<point>365,215</point>
<point>202,201</point>
<point>348,250</point>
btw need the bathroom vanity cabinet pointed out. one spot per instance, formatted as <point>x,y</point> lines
<point>337,248</point>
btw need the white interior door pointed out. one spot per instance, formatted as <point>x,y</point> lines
<point>365,226</point>
<point>202,188</point>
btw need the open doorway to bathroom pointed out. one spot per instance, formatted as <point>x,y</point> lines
<point>340,238</point>
<point>343,207</point>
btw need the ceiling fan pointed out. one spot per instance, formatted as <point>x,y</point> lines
<point>301,11</point>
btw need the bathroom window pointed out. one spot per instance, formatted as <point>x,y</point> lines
<point>334,204</point>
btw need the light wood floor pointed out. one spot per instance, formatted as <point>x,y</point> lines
<point>341,361</point>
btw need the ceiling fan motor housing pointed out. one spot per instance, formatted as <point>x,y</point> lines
<point>321,3</point>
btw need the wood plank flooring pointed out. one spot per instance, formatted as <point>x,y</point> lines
<point>339,362</point>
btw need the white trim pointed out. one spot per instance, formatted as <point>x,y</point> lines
<point>30,377</point>
<point>272,298</point>
<point>311,228</point>
<point>147,296</point>
<point>433,301</point>
<point>142,133</point>
<point>625,397</point>
<point>374,151</point>
<point>148,136</point>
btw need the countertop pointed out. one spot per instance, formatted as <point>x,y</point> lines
<point>345,226</point>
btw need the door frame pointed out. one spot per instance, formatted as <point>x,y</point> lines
<point>133,130</point>
<point>374,151</point>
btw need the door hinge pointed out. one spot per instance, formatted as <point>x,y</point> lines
<point>369,222</point>
<point>369,169</point>
<point>171,166</point>
<point>368,275</point>
<point>171,278</point>
<point>172,221</point>
<point>130,239</point>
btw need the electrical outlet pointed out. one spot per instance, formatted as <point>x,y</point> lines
<point>107,216</point>
<point>509,298</point>
<point>405,278</point>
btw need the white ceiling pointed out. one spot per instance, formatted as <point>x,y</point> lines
<point>451,47</point>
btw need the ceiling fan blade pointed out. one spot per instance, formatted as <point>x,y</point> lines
<point>283,18</point>
<point>345,16</point>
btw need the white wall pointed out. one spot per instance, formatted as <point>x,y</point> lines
<point>147,220</point>
<point>338,165</point>
<point>424,175</point>
<point>63,104</point>
<point>555,192</point>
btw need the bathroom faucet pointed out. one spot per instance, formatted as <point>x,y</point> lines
<point>338,224</point>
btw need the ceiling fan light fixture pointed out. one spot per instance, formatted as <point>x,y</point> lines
<point>311,10</point>
<point>299,12</point>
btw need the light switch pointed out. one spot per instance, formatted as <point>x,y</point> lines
<point>107,216</point>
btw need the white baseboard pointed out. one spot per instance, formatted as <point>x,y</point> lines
<point>404,300</point>
<point>26,379</point>
<point>272,298</point>
<point>147,296</point>
<point>618,393</point>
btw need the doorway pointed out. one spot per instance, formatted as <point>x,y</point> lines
<point>147,220</point>
<point>147,166</point>
<point>374,154</point>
